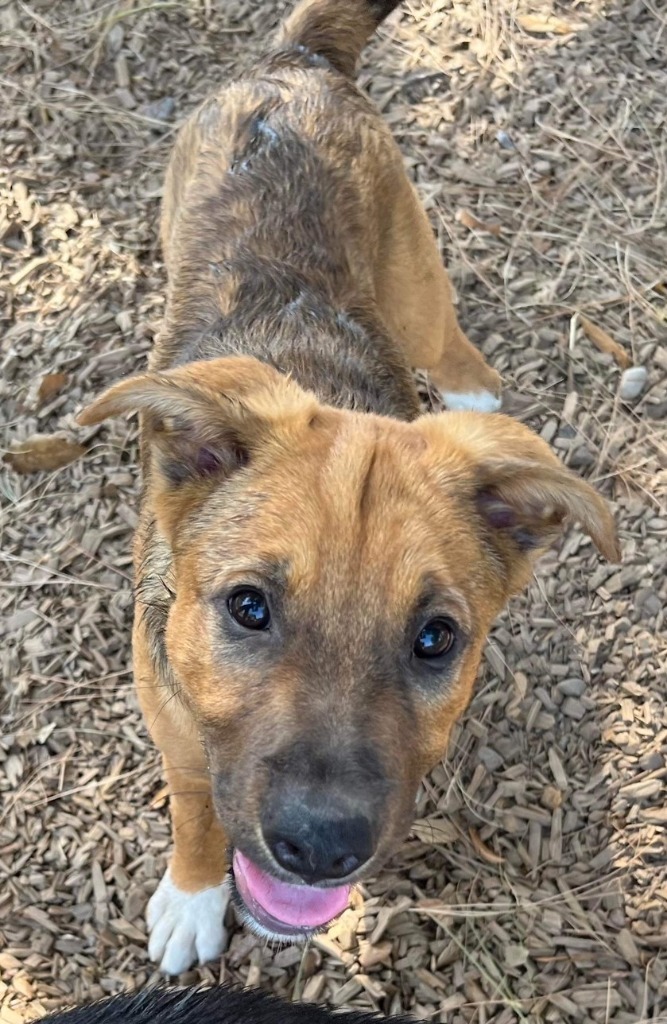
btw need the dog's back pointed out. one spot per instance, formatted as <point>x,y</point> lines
<point>281,208</point>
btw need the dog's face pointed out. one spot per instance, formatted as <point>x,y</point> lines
<point>335,578</point>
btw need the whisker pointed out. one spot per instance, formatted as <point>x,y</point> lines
<point>171,696</point>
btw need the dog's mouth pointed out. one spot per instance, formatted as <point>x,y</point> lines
<point>282,910</point>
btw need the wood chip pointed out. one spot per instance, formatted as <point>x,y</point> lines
<point>633,382</point>
<point>549,23</point>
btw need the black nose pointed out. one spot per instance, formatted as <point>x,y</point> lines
<point>316,846</point>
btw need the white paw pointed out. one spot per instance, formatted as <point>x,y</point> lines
<point>186,927</point>
<point>471,401</point>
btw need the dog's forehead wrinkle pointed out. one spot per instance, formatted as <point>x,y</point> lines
<point>338,546</point>
<point>363,475</point>
<point>260,567</point>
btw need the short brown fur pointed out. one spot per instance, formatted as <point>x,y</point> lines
<point>282,448</point>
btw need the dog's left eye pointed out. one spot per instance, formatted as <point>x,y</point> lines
<point>249,608</point>
<point>435,639</point>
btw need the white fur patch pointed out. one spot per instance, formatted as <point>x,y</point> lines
<point>186,927</point>
<point>471,401</point>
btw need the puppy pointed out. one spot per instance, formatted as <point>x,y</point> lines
<point>219,1005</point>
<point>317,565</point>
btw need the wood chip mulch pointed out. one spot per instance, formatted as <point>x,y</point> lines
<point>534,887</point>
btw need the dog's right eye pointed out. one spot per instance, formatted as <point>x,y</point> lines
<point>250,608</point>
<point>435,639</point>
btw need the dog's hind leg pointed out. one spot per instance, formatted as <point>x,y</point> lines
<point>414,297</point>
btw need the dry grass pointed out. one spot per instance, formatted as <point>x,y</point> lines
<point>535,886</point>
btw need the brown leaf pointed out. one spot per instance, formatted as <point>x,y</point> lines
<point>548,23</point>
<point>483,850</point>
<point>470,221</point>
<point>605,343</point>
<point>49,386</point>
<point>43,452</point>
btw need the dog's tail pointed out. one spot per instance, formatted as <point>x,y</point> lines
<point>337,30</point>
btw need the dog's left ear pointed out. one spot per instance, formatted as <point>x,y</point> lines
<point>521,493</point>
<point>206,421</point>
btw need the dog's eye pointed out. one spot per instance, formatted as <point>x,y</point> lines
<point>434,639</point>
<point>249,608</point>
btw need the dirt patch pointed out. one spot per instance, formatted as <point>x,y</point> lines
<point>535,884</point>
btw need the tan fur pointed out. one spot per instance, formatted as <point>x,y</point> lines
<point>358,510</point>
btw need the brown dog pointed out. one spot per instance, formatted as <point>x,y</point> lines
<point>317,565</point>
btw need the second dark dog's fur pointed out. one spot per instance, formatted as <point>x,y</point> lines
<point>220,1005</point>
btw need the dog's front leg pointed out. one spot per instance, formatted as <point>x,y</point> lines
<point>187,910</point>
<point>186,913</point>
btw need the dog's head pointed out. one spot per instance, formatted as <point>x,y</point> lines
<point>335,577</point>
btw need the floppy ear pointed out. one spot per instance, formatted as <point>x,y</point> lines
<point>206,419</point>
<point>521,492</point>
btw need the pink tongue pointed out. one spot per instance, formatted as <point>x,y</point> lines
<point>300,906</point>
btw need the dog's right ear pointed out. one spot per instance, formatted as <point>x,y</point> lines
<point>208,418</point>
<point>515,488</point>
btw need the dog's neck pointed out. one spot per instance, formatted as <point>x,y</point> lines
<point>342,354</point>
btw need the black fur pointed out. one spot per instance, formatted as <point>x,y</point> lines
<point>219,1005</point>
<point>382,8</point>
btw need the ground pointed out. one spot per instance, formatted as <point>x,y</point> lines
<point>534,886</point>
